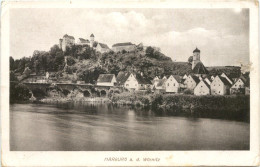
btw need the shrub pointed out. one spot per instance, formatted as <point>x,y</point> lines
<point>70,61</point>
<point>188,92</point>
<point>19,92</point>
<point>124,51</point>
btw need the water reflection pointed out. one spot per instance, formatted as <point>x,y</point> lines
<point>90,127</point>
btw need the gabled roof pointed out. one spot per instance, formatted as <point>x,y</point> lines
<point>68,36</point>
<point>245,80</point>
<point>102,45</point>
<point>200,69</point>
<point>161,82</point>
<point>92,35</point>
<point>224,80</point>
<point>122,44</point>
<point>177,78</point>
<point>228,77</point>
<point>122,77</point>
<point>206,83</point>
<point>142,80</point>
<point>105,77</point>
<point>195,78</point>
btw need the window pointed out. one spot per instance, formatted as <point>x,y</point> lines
<point>168,84</point>
<point>219,92</point>
<point>127,84</point>
<point>201,86</point>
<point>174,84</point>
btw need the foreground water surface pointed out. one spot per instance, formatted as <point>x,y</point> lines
<point>97,127</point>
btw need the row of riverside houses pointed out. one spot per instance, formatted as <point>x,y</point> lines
<point>199,82</point>
<point>220,85</point>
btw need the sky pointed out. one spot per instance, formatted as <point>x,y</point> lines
<point>222,35</point>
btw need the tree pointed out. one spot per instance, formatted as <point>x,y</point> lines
<point>95,44</point>
<point>11,63</point>
<point>124,51</point>
<point>149,52</point>
<point>54,49</point>
<point>26,72</point>
<point>13,77</point>
<point>70,61</point>
<point>190,59</point>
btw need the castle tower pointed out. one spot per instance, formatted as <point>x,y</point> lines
<point>60,43</point>
<point>196,57</point>
<point>92,39</point>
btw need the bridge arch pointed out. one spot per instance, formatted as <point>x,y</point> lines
<point>38,92</point>
<point>86,93</point>
<point>103,93</point>
<point>65,92</point>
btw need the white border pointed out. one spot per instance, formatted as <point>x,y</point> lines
<point>96,158</point>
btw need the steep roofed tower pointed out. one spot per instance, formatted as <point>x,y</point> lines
<point>92,39</point>
<point>196,57</point>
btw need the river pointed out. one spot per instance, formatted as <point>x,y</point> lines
<point>104,127</point>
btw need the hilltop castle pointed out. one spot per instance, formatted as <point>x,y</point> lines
<point>68,41</point>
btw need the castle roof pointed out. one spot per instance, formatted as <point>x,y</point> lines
<point>92,35</point>
<point>122,44</point>
<point>102,45</point>
<point>200,69</point>
<point>68,36</point>
<point>105,78</point>
<point>196,50</point>
<point>84,40</point>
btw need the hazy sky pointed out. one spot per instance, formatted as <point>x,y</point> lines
<point>222,35</point>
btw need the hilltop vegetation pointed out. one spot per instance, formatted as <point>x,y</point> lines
<point>84,63</point>
<point>87,64</point>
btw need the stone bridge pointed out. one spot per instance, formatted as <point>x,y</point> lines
<point>88,90</point>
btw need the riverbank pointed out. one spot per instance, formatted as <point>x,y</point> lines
<point>236,107</point>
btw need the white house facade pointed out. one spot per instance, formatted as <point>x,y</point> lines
<point>220,86</point>
<point>202,88</point>
<point>173,84</point>
<point>191,82</point>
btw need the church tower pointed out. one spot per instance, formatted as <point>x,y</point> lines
<point>196,57</point>
<point>92,39</point>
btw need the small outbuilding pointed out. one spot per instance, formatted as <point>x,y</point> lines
<point>106,80</point>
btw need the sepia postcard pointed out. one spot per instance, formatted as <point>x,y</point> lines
<point>130,83</point>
